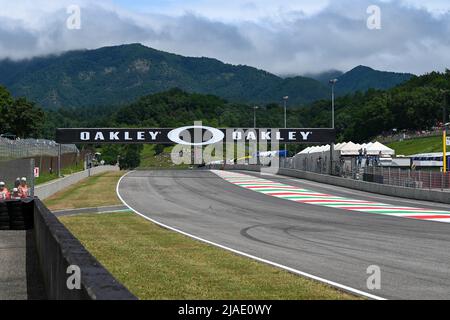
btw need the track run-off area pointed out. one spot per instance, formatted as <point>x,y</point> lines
<point>328,233</point>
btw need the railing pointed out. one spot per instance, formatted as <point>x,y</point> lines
<point>418,179</point>
<point>408,178</point>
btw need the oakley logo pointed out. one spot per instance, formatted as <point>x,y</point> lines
<point>217,135</point>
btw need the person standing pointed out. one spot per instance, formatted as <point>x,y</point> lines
<point>4,193</point>
<point>23,188</point>
<point>15,194</point>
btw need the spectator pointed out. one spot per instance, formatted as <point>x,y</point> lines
<point>16,195</point>
<point>17,183</point>
<point>4,193</point>
<point>23,188</point>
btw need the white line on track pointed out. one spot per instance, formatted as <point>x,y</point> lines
<point>289,269</point>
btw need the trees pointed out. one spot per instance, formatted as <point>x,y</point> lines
<point>24,118</point>
<point>19,116</point>
<point>414,105</point>
<point>130,157</point>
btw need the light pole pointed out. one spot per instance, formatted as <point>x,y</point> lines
<point>254,116</point>
<point>285,100</point>
<point>333,83</point>
<point>444,132</point>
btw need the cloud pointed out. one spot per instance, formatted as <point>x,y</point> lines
<point>279,36</point>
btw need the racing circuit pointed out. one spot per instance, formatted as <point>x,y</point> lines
<point>328,232</point>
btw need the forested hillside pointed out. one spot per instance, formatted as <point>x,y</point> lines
<point>415,105</point>
<point>113,76</point>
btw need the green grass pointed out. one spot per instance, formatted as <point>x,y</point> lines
<point>95,191</point>
<point>163,160</point>
<point>155,263</point>
<point>419,145</point>
<point>47,177</point>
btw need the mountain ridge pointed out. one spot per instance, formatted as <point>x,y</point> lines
<point>118,75</point>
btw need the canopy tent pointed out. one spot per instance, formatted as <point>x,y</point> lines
<point>305,151</point>
<point>352,149</point>
<point>377,148</point>
<point>315,149</point>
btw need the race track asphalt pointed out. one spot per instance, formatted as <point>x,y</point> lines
<point>334,244</point>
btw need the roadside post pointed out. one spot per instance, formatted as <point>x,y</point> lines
<point>59,160</point>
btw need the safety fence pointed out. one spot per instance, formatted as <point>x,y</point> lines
<point>407,178</point>
<point>27,148</point>
<point>372,172</point>
<point>44,152</point>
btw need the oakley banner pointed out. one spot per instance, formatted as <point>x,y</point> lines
<point>192,135</point>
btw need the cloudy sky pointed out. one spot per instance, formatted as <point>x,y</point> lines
<point>281,36</point>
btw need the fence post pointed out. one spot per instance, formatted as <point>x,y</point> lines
<point>420,178</point>
<point>33,179</point>
<point>59,160</point>
<point>429,185</point>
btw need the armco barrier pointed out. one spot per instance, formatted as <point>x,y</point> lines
<point>57,249</point>
<point>394,191</point>
<point>48,189</point>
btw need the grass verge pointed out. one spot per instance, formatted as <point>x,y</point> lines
<point>155,263</point>
<point>419,145</point>
<point>149,158</point>
<point>95,191</point>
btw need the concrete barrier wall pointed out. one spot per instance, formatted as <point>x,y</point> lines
<point>401,192</point>
<point>48,189</point>
<point>57,249</point>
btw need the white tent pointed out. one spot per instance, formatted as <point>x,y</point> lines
<point>350,149</point>
<point>339,146</point>
<point>376,148</point>
<point>366,146</point>
<point>305,151</point>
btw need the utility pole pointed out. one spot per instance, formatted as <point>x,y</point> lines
<point>254,116</point>
<point>285,99</point>
<point>59,160</point>
<point>444,133</point>
<point>333,83</point>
